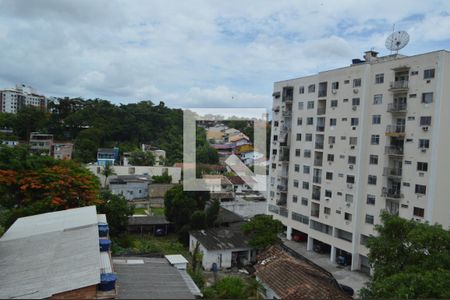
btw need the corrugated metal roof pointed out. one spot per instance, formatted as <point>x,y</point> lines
<point>51,253</point>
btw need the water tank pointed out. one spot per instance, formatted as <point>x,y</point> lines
<point>103,229</point>
<point>107,282</point>
<point>104,244</point>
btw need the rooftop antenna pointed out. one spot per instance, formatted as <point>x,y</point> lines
<point>396,40</point>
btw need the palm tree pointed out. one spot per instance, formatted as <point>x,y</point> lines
<point>107,171</point>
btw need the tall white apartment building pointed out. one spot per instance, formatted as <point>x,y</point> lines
<point>352,142</point>
<point>11,100</point>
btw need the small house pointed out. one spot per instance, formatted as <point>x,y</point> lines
<point>132,187</point>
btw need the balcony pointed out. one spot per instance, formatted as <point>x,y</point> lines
<point>319,145</point>
<point>316,195</point>
<point>284,157</point>
<point>394,150</point>
<point>317,179</point>
<point>320,128</point>
<point>281,202</point>
<point>318,162</point>
<point>288,99</point>
<point>392,172</point>
<point>282,188</point>
<point>286,113</point>
<point>397,107</point>
<point>321,110</point>
<point>392,193</point>
<point>315,213</point>
<point>399,85</point>
<point>284,212</point>
<point>391,211</point>
<point>395,130</point>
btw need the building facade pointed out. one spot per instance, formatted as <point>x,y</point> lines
<point>350,143</point>
<point>12,100</point>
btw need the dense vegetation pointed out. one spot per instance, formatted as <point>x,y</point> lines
<point>263,231</point>
<point>233,287</point>
<point>410,260</point>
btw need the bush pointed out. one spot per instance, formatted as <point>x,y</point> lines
<point>198,277</point>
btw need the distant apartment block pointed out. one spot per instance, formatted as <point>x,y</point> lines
<point>12,100</point>
<point>350,143</point>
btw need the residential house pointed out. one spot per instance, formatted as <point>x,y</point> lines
<point>249,158</point>
<point>41,142</point>
<point>132,187</point>
<point>160,155</point>
<point>239,140</point>
<point>107,156</point>
<point>62,150</point>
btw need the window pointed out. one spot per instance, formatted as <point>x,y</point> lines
<point>331,140</point>
<point>323,86</point>
<point>296,183</point>
<point>421,189</point>
<point>357,82</point>
<point>424,143</point>
<point>275,137</point>
<point>274,151</point>
<point>354,121</point>
<point>412,95</point>
<point>376,119</point>
<point>418,212</point>
<point>335,85</point>
<point>355,101</point>
<point>297,152</point>
<point>372,179</point>
<point>308,137</point>
<point>307,153</point>
<point>350,179</point>
<point>334,103</point>
<point>312,88</point>
<point>298,137</point>
<point>305,185</point>
<point>351,160</point>
<point>275,124</point>
<point>375,139</point>
<point>297,168</point>
<point>300,106</point>
<point>309,121</point>
<point>330,157</point>
<point>326,210</point>
<point>379,78</point>
<point>328,193</point>
<point>329,175</point>
<point>428,74</point>
<point>425,121</point>
<point>348,216</point>
<point>373,159</point>
<point>370,199</point>
<point>310,105</point>
<point>306,169</point>
<point>294,199</point>
<point>377,99</point>
<point>422,166</point>
<point>414,73</point>
<point>332,122</point>
<point>301,90</point>
<point>369,219</point>
<point>346,81</point>
<point>304,201</point>
<point>427,97</point>
<point>299,121</point>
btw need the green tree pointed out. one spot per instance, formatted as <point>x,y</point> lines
<point>228,287</point>
<point>410,260</point>
<point>163,178</point>
<point>212,212</point>
<point>30,119</point>
<point>263,231</point>
<point>117,211</point>
<point>107,171</point>
<point>198,220</point>
<point>141,158</point>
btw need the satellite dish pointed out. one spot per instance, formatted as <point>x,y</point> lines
<point>397,40</point>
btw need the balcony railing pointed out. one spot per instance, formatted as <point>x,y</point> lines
<point>288,98</point>
<point>394,150</point>
<point>321,110</point>
<point>395,130</point>
<point>390,211</point>
<point>397,107</point>
<point>393,193</point>
<point>282,188</point>
<point>395,172</point>
<point>320,128</point>
<point>287,113</point>
<point>317,179</point>
<point>318,162</point>
<point>318,145</point>
<point>315,213</point>
<point>316,196</point>
<point>284,212</point>
<point>281,202</point>
<point>399,85</point>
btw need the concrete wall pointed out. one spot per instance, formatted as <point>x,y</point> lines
<point>158,190</point>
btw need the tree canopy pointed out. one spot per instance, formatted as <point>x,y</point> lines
<point>263,231</point>
<point>410,260</point>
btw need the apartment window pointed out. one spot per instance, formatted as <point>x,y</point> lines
<point>307,153</point>
<point>335,85</point>
<point>310,105</point>
<point>354,121</point>
<point>370,199</point>
<point>294,199</point>
<point>304,201</point>
<point>331,140</point>
<point>275,137</point>
<point>345,100</point>
<point>326,210</point>
<point>428,74</point>
<point>274,151</point>
<point>332,122</point>
<point>297,152</point>
<point>376,119</point>
<point>306,169</point>
<point>297,168</point>
<point>425,121</point>
<point>377,99</point>
<point>275,124</point>
<point>372,179</point>
<point>300,105</point>
<point>348,216</point>
<point>418,212</point>
<point>424,143</point>
<point>412,95</point>
<point>422,166</point>
<point>272,193</point>
<point>328,193</point>
<point>357,82</point>
<point>414,73</point>
<point>296,183</point>
<point>375,139</point>
<point>305,185</point>
<point>298,137</point>
<point>369,219</point>
<point>323,86</point>
<point>309,121</point>
<point>299,121</point>
<point>373,159</point>
<point>379,78</point>
<point>352,160</point>
<point>308,137</point>
<point>427,97</point>
<point>329,175</point>
<point>330,157</point>
<point>274,166</point>
<point>301,90</point>
<point>421,189</point>
<point>355,101</point>
<point>312,88</point>
<point>350,179</point>
<point>334,103</point>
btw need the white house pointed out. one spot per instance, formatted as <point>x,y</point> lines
<point>132,187</point>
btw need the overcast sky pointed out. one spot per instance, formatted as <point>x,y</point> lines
<point>198,53</point>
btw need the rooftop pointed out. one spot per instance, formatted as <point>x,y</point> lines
<point>222,238</point>
<point>124,179</point>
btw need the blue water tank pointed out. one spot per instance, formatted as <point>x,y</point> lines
<point>107,282</point>
<point>104,244</point>
<point>103,229</point>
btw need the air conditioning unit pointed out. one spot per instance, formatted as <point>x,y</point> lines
<point>348,204</point>
<point>425,128</point>
<point>352,147</point>
<point>354,107</point>
<point>350,166</point>
<point>354,128</point>
<point>329,162</point>
<point>347,222</point>
<point>326,216</point>
<point>355,91</point>
<point>327,199</point>
<point>333,91</point>
<point>349,185</point>
<point>423,150</point>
